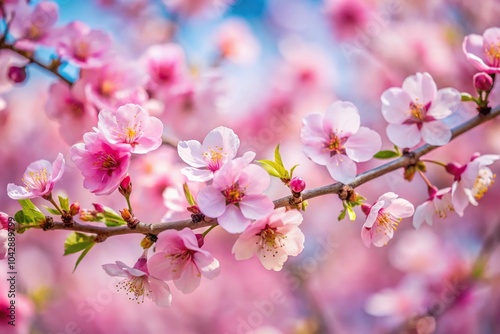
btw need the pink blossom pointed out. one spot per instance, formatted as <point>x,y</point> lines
<point>139,283</point>
<point>414,111</point>
<point>383,217</point>
<point>82,46</point>
<point>179,257</point>
<point>272,239</point>
<point>235,42</point>
<point>4,234</point>
<point>103,165</point>
<point>187,8</point>
<point>131,125</point>
<point>235,197</point>
<point>7,60</point>
<point>70,107</point>
<point>484,51</point>
<point>39,179</point>
<point>219,146</point>
<point>114,84</point>
<point>437,205</point>
<point>472,181</point>
<point>33,26</point>
<point>347,17</point>
<point>337,141</point>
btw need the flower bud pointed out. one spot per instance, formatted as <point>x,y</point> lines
<point>366,208</point>
<point>17,74</point>
<point>125,186</point>
<point>98,207</point>
<point>455,169</point>
<point>74,209</point>
<point>297,184</point>
<point>482,81</point>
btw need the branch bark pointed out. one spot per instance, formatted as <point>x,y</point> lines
<point>156,228</point>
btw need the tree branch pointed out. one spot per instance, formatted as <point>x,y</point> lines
<point>408,159</point>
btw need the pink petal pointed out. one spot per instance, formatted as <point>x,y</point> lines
<point>197,175</point>
<point>381,238</point>
<point>395,105</point>
<point>423,213</point>
<point>341,118</point>
<point>58,168</point>
<point>166,267</point>
<point>362,145</point>
<point>459,198</point>
<point>366,236</point>
<point>189,278</point>
<point>316,152</point>
<point>152,137</point>
<point>446,102</point>
<point>473,48</point>
<point>232,220</point>
<point>255,179</point>
<point>229,173</point>
<point>403,135</point>
<point>312,129</point>
<point>400,208</point>
<point>207,264</point>
<point>342,168</point>
<point>294,242</point>
<point>246,246</point>
<point>272,261</point>
<point>113,269</point>
<point>19,192</point>
<point>211,202</point>
<point>256,206</point>
<point>421,88</point>
<point>373,215</point>
<point>435,133</point>
<point>224,138</point>
<point>191,153</point>
<point>160,292</point>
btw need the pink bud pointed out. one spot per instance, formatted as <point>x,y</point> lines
<point>125,186</point>
<point>98,207</point>
<point>74,209</point>
<point>482,81</point>
<point>455,169</point>
<point>17,74</point>
<point>366,208</point>
<point>297,184</point>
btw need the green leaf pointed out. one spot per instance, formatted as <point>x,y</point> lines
<point>76,242</point>
<point>466,97</point>
<point>52,210</point>
<point>30,213</point>
<point>187,193</point>
<point>270,167</point>
<point>342,214</point>
<point>386,155</point>
<point>351,213</point>
<point>80,258</point>
<point>111,218</point>
<point>291,170</point>
<point>64,202</point>
<point>396,149</point>
<point>277,156</point>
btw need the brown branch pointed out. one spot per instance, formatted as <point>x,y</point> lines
<point>405,160</point>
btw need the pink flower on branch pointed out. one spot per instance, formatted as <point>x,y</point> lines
<point>439,204</point>
<point>82,46</point>
<point>138,283</point>
<point>219,146</point>
<point>131,125</point>
<point>337,141</point>
<point>39,179</point>
<point>272,239</point>
<point>102,164</point>
<point>472,180</point>
<point>236,196</point>
<point>414,111</point>
<point>383,217</point>
<point>179,257</point>
<point>484,51</point>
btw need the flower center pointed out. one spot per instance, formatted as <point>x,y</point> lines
<point>270,240</point>
<point>387,221</point>
<point>483,182</point>
<point>136,287</point>
<point>107,88</point>
<point>233,194</point>
<point>36,180</point>
<point>492,51</point>
<point>336,144</point>
<point>106,162</point>
<point>82,50</point>
<point>214,158</point>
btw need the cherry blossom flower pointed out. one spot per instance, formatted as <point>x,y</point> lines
<point>472,181</point>
<point>114,84</point>
<point>414,111</point>
<point>438,204</point>
<point>138,283</point>
<point>272,239</point>
<point>70,107</point>
<point>4,233</point>
<point>188,8</point>
<point>8,59</point>
<point>179,257</point>
<point>33,26</point>
<point>337,141</point>
<point>236,42</point>
<point>131,125</point>
<point>39,179</point>
<point>484,51</point>
<point>103,165</point>
<point>82,46</point>
<point>219,146</point>
<point>383,217</point>
<point>235,197</point>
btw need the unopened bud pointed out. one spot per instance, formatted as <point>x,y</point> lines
<point>455,169</point>
<point>125,186</point>
<point>98,207</point>
<point>483,81</point>
<point>297,184</point>
<point>126,215</point>
<point>17,74</point>
<point>74,209</point>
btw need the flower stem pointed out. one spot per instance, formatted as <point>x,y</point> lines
<point>210,229</point>
<point>426,180</point>
<point>127,198</point>
<point>51,200</point>
<point>434,162</point>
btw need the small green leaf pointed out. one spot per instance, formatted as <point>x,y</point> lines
<point>76,242</point>
<point>271,167</point>
<point>111,218</point>
<point>305,204</point>
<point>466,97</point>
<point>187,193</point>
<point>292,169</point>
<point>277,156</point>
<point>351,213</point>
<point>64,203</point>
<point>80,258</point>
<point>31,214</point>
<point>386,155</point>
<point>397,150</point>
<point>20,218</point>
<point>342,214</point>
<point>52,210</point>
